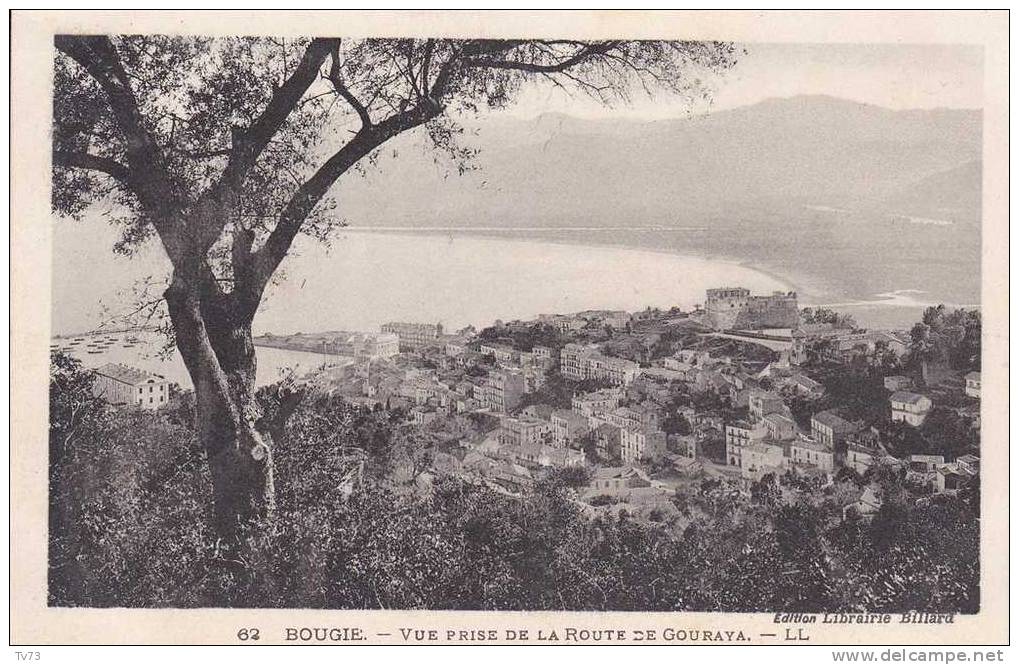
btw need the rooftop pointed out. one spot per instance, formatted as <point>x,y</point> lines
<point>832,420</point>
<point>906,397</point>
<point>128,375</point>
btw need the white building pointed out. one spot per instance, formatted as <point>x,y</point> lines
<point>805,451</point>
<point>641,443</point>
<point>590,404</point>
<point>859,458</point>
<point>413,335</point>
<point>739,435</point>
<point>523,431</point>
<point>759,459</point>
<point>122,385</point>
<point>578,362</point>
<point>910,407</point>
<point>829,428</point>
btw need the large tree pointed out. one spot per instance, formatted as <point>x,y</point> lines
<point>224,150</point>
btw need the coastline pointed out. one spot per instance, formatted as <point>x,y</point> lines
<point>805,286</point>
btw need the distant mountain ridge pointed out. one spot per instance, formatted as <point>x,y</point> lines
<point>778,154</point>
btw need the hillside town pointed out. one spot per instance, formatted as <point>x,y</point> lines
<point>646,406</point>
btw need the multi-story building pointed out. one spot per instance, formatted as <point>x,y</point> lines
<point>505,355</point>
<point>456,345</point>
<point>760,458</point>
<point>805,451</point>
<point>567,427</point>
<point>413,336</point>
<point>573,361</point>
<point>543,355</point>
<point>830,429</point>
<point>739,435</point>
<point>523,432</point>
<point>578,362</point>
<point>641,443</point>
<point>375,346</point>
<point>590,404</point>
<point>127,386</point>
<point>501,391</point>
<point>628,417</point>
<point>910,407</point>
<point>859,458</point>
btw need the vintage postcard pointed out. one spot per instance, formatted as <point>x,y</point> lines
<point>480,327</point>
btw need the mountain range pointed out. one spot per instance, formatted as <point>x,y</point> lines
<point>778,155</point>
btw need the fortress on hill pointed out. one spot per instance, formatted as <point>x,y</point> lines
<point>734,308</point>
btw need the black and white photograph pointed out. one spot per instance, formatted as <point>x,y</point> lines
<point>472,321</point>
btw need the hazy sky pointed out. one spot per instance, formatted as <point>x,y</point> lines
<point>893,76</point>
<point>897,76</point>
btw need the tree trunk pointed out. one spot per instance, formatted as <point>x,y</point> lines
<point>216,345</point>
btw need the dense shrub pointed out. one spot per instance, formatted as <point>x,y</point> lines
<point>130,509</point>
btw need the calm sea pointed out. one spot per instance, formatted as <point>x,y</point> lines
<point>367,277</point>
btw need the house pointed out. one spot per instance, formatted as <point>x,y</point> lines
<point>617,478</point>
<point>910,407</point>
<point>897,382</point>
<point>952,477</point>
<point>523,431</point>
<point>973,384</point>
<point>803,385</point>
<point>565,457</point>
<point>829,429</point>
<point>127,386</point>
<point>510,476</point>
<point>759,459</point>
<point>738,435</point>
<point>923,469</point>
<point>641,443</point>
<point>859,458</point>
<point>805,451</point>
<point>567,427</point>
<point>866,506</point>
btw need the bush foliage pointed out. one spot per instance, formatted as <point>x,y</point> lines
<point>130,508</point>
